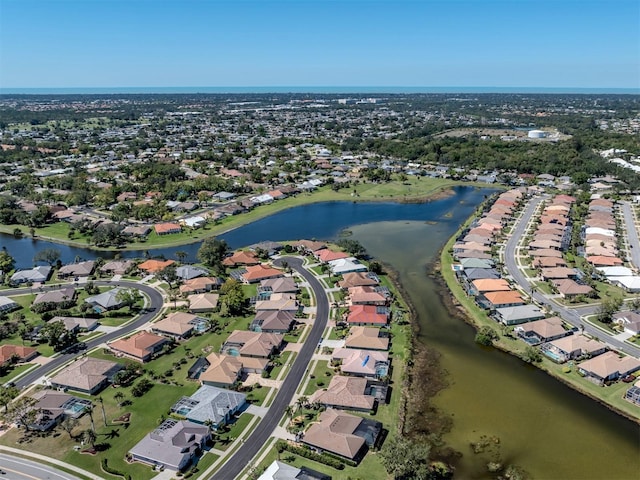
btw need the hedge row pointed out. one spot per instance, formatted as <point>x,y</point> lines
<point>307,453</point>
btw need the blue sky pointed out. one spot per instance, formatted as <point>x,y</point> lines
<point>171,43</point>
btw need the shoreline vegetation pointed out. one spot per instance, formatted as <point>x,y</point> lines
<point>463,307</point>
<point>413,190</point>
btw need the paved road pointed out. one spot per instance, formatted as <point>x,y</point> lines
<point>23,469</point>
<point>632,233</point>
<point>571,315</point>
<point>243,456</point>
<point>153,308</point>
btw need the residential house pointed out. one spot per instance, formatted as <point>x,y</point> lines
<point>568,288</point>
<point>221,370</point>
<point>573,347</point>
<point>346,393</point>
<point>282,471</point>
<point>274,321</point>
<point>108,300</point>
<point>188,272</point>
<point>367,338</point>
<point>372,364</point>
<point>16,353</point>
<point>257,273</point>
<point>346,265</point>
<point>210,405</point>
<point>117,267</point>
<point>167,228</point>
<point>358,279</point>
<point>543,330</point>
<point>87,375</point>
<point>279,285</point>
<point>82,269</point>
<point>241,257</point>
<point>282,302</point>
<point>368,315</point>
<point>518,314</point>
<point>140,346</point>
<point>630,321</point>
<point>173,445</point>
<point>33,275</point>
<point>62,295</point>
<point>179,325</point>
<point>154,266</point>
<point>200,285</point>
<point>367,296</point>
<point>496,300</point>
<point>608,367</point>
<point>52,407</point>
<point>342,434</point>
<point>77,324</point>
<point>252,344</point>
<point>203,302</point>
<point>325,255</point>
<point>8,305</point>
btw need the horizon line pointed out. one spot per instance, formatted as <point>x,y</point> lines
<point>346,89</point>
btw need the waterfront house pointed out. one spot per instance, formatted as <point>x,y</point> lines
<point>543,330</point>
<point>372,364</point>
<point>154,266</point>
<point>116,267</point>
<point>282,471</point>
<point>368,315</point>
<point>608,367</point>
<point>173,445</point>
<point>345,393</point>
<point>342,434</point>
<point>518,314</point>
<point>358,279</point>
<point>494,300</point>
<point>367,296</point>
<point>82,269</point>
<point>241,257</point>
<point>325,255</point>
<point>573,347</point>
<point>346,265</point>
<point>167,228</point>
<point>367,338</point>
<point>189,272</point>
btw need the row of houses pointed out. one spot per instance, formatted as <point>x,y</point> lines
<point>550,239</point>
<point>556,340</point>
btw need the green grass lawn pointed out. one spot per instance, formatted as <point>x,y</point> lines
<point>257,395</point>
<point>322,373</point>
<point>281,360</point>
<point>224,439</point>
<point>15,371</point>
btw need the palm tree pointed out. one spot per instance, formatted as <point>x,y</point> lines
<point>104,416</point>
<point>119,396</point>
<point>301,402</point>
<point>89,411</point>
<point>90,437</point>
<point>288,411</point>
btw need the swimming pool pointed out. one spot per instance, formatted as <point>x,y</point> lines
<point>554,356</point>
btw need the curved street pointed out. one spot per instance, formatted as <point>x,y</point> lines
<point>153,308</point>
<point>259,437</point>
<point>16,468</point>
<point>571,315</point>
